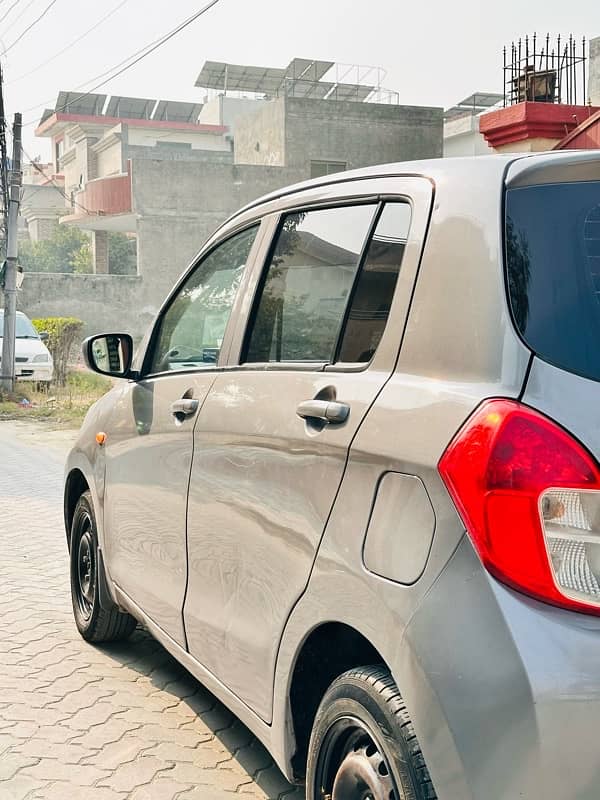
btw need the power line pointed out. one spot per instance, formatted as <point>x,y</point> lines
<point>31,25</point>
<point>18,17</point>
<point>58,188</point>
<point>72,44</point>
<point>137,57</point>
<point>16,3</point>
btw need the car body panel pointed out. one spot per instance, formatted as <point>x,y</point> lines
<point>569,399</point>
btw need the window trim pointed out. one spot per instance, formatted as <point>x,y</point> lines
<point>361,366</point>
<point>145,372</point>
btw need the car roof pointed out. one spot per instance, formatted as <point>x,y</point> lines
<point>464,168</point>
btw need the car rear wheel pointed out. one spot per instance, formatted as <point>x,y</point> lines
<point>95,622</point>
<point>363,746</point>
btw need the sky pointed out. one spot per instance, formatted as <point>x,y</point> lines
<point>433,53</point>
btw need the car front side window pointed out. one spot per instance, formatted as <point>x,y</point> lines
<point>191,330</point>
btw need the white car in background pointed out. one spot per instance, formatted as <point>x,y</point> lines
<point>33,361</point>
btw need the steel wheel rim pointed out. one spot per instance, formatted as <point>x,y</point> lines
<point>85,584</point>
<point>352,765</point>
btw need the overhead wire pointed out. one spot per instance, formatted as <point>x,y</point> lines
<point>129,62</point>
<point>50,179</point>
<point>19,16</point>
<point>59,189</point>
<point>4,16</point>
<point>70,45</point>
<point>30,26</point>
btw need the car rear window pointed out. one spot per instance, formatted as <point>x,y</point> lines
<point>553,269</point>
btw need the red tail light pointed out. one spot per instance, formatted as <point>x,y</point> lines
<point>529,495</point>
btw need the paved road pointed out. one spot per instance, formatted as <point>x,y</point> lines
<point>79,722</point>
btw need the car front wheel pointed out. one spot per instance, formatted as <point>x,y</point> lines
<point>94,622</point>
<point>363,746</point>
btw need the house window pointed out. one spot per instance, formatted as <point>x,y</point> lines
<point>318,169</point>
<point>59,147</point>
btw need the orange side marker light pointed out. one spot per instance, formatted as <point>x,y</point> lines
<point>100,438</point>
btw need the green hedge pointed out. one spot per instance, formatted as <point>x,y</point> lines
<point>62,332</point>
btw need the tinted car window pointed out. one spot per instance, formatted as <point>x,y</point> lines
<point>308,283</point>
<point>553,263</point>
<point>375,285</point>
<point>192,328</point>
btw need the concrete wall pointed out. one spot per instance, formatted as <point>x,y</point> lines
<point>223,110</point>
<point>462,137</point>
<point>97,299</point>
<point>260,137</point>
<point>594,78</point>
<point>145,137</point>
<point>293,132</point>
<point>109,160</point>
<point>361,134</point>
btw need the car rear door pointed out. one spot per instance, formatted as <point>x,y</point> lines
<point>319,338</point>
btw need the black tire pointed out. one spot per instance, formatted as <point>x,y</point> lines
<point>363,743</point>
<point>94,623</point>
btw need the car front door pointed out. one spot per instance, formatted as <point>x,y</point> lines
<point>149,447</point>
<point>271,443</point>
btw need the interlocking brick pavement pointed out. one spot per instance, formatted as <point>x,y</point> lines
<point>81,722</point>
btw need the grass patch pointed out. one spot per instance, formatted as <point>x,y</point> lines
<point>64,405</point>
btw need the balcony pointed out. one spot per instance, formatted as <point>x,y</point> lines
<point>104,205</point>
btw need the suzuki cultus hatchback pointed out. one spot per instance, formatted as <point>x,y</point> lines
<point>351,479</point>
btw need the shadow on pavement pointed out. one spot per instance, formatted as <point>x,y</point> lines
<point>206,714</point>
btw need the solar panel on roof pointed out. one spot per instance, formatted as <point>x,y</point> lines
<point>301,78</point>
<point>239,77</point>
<point>351,91</point>
<point>307,89</point>
<point>78,103</point>
<point>307,69</point>
<point>173,111</point>
<point>481,99</point>
<point>130,107</point>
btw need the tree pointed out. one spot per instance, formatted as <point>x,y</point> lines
<point>67,250</point>
<point>519,273</point>
<point>122,254</point>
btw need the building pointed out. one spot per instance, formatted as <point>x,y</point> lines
<point>461,125</point>
<point>552,90</point>
<point>168,173</point>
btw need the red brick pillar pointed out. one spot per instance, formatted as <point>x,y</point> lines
<point>100,252</point>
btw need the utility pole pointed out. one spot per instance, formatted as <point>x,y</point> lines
<point>7,378</point>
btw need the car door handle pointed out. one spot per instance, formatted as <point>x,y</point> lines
<point>184,407</point>
<point>327,410</point>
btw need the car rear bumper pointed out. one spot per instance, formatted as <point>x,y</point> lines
<point>506,690</point>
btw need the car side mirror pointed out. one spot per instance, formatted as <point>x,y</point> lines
<point>109,354</point>
<point>44,336</point>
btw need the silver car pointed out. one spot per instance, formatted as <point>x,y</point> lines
<point>350,479</point>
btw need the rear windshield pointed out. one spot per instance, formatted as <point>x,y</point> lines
<point>553,263</point>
